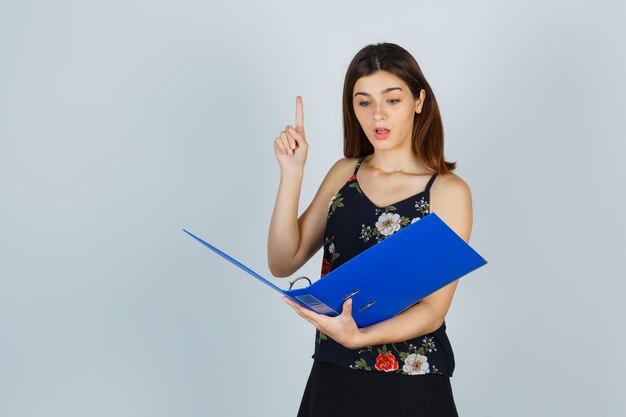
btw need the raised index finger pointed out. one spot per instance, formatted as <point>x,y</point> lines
<point>299,115</point>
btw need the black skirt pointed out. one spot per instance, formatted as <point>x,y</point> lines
<point>334,391</point>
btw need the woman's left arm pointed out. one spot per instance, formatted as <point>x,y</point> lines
<point>454,207</point>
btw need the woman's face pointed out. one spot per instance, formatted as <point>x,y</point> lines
<point>383,100</point>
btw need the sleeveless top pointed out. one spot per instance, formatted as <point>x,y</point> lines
<point>355,223</point>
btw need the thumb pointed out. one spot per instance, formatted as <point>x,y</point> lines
<point>347,307</point>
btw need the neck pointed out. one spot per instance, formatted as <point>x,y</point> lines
<point>393,161</point>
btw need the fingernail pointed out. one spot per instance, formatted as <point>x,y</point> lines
<point>292,130</point>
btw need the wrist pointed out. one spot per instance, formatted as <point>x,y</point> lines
<point>361,339</point>
<point>295,175</point>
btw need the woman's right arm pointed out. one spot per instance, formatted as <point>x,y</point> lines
<point>291,241</point>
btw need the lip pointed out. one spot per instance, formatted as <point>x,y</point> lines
<point>384,135</point>
<point>381,127</point>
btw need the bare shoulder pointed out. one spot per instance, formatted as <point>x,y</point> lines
<point>340,172</point>
<point>450,186</point>
<point>451,199</point>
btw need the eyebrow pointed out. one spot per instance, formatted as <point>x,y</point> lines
<point>386,90</point>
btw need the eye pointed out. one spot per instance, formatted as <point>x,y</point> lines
<point>367,102</point>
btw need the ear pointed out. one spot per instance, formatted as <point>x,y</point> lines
<point>420,101</point>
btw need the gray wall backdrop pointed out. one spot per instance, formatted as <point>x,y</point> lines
<point>123,122</point>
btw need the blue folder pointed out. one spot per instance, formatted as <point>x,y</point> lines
<point>390,276</point>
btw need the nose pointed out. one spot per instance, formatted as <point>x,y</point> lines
<point>378,112</point>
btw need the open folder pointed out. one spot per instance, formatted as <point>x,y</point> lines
<point>390,276</point>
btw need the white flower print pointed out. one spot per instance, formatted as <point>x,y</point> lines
<point>331,248</point>
<point>414,220</point>
<point>422,206</point>
<point>330,202</point>
<point>429,344</point>
<point>415,364</point>
<point>365,233</point>
<point>334,202</point>
<point>388,223</point>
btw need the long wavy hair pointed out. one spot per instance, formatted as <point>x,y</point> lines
<point>427,136</point>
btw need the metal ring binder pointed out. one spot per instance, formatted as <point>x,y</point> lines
<point>294,281</point>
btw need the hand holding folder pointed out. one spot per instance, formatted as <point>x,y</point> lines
<point>425,256</point>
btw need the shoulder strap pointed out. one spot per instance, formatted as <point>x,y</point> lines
<point>430,182</point>
<point>358,164</point>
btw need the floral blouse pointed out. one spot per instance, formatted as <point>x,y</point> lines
<point>354,224</point>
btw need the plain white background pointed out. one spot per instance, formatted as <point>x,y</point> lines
<point>123,122</point>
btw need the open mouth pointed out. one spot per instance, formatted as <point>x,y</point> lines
<point>381,132</point>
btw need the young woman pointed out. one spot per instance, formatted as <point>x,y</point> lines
<point>393,174</point>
